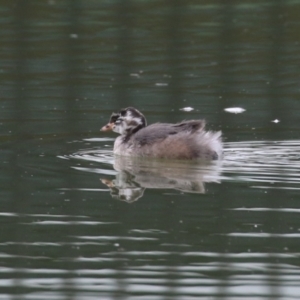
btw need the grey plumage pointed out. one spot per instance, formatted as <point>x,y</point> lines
<point>184,140</point>
<point>158,131</point>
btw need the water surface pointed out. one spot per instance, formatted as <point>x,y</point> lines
<point>79,223</point>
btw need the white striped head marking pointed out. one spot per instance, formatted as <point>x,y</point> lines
<point>128,121</point>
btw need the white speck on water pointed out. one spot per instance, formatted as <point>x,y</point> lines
<point>276,121</point>
<point>235,110</point>
<point>74,36</point>
<point>187,108</point>
<point>161,84</point>
<point>135,75</point>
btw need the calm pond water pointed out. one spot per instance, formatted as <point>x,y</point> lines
<point>79,223</point>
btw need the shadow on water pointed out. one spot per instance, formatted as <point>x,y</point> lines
<point>273,165</point>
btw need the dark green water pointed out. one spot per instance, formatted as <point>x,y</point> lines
<point>76,223</point>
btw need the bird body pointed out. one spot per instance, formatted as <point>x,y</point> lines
<point>184,140</point>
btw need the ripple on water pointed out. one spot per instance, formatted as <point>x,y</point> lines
<point>272,164</point>
<point>92,155</point>
<point>264,164</point>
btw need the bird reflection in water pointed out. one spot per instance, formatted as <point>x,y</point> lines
<point>136,174</point>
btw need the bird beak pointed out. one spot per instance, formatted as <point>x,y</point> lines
<point>107,127</point>
<point>108,183</point>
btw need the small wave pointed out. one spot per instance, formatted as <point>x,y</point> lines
<point>269,162</point>
<point>93,155</point>
<point>263,164</point>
